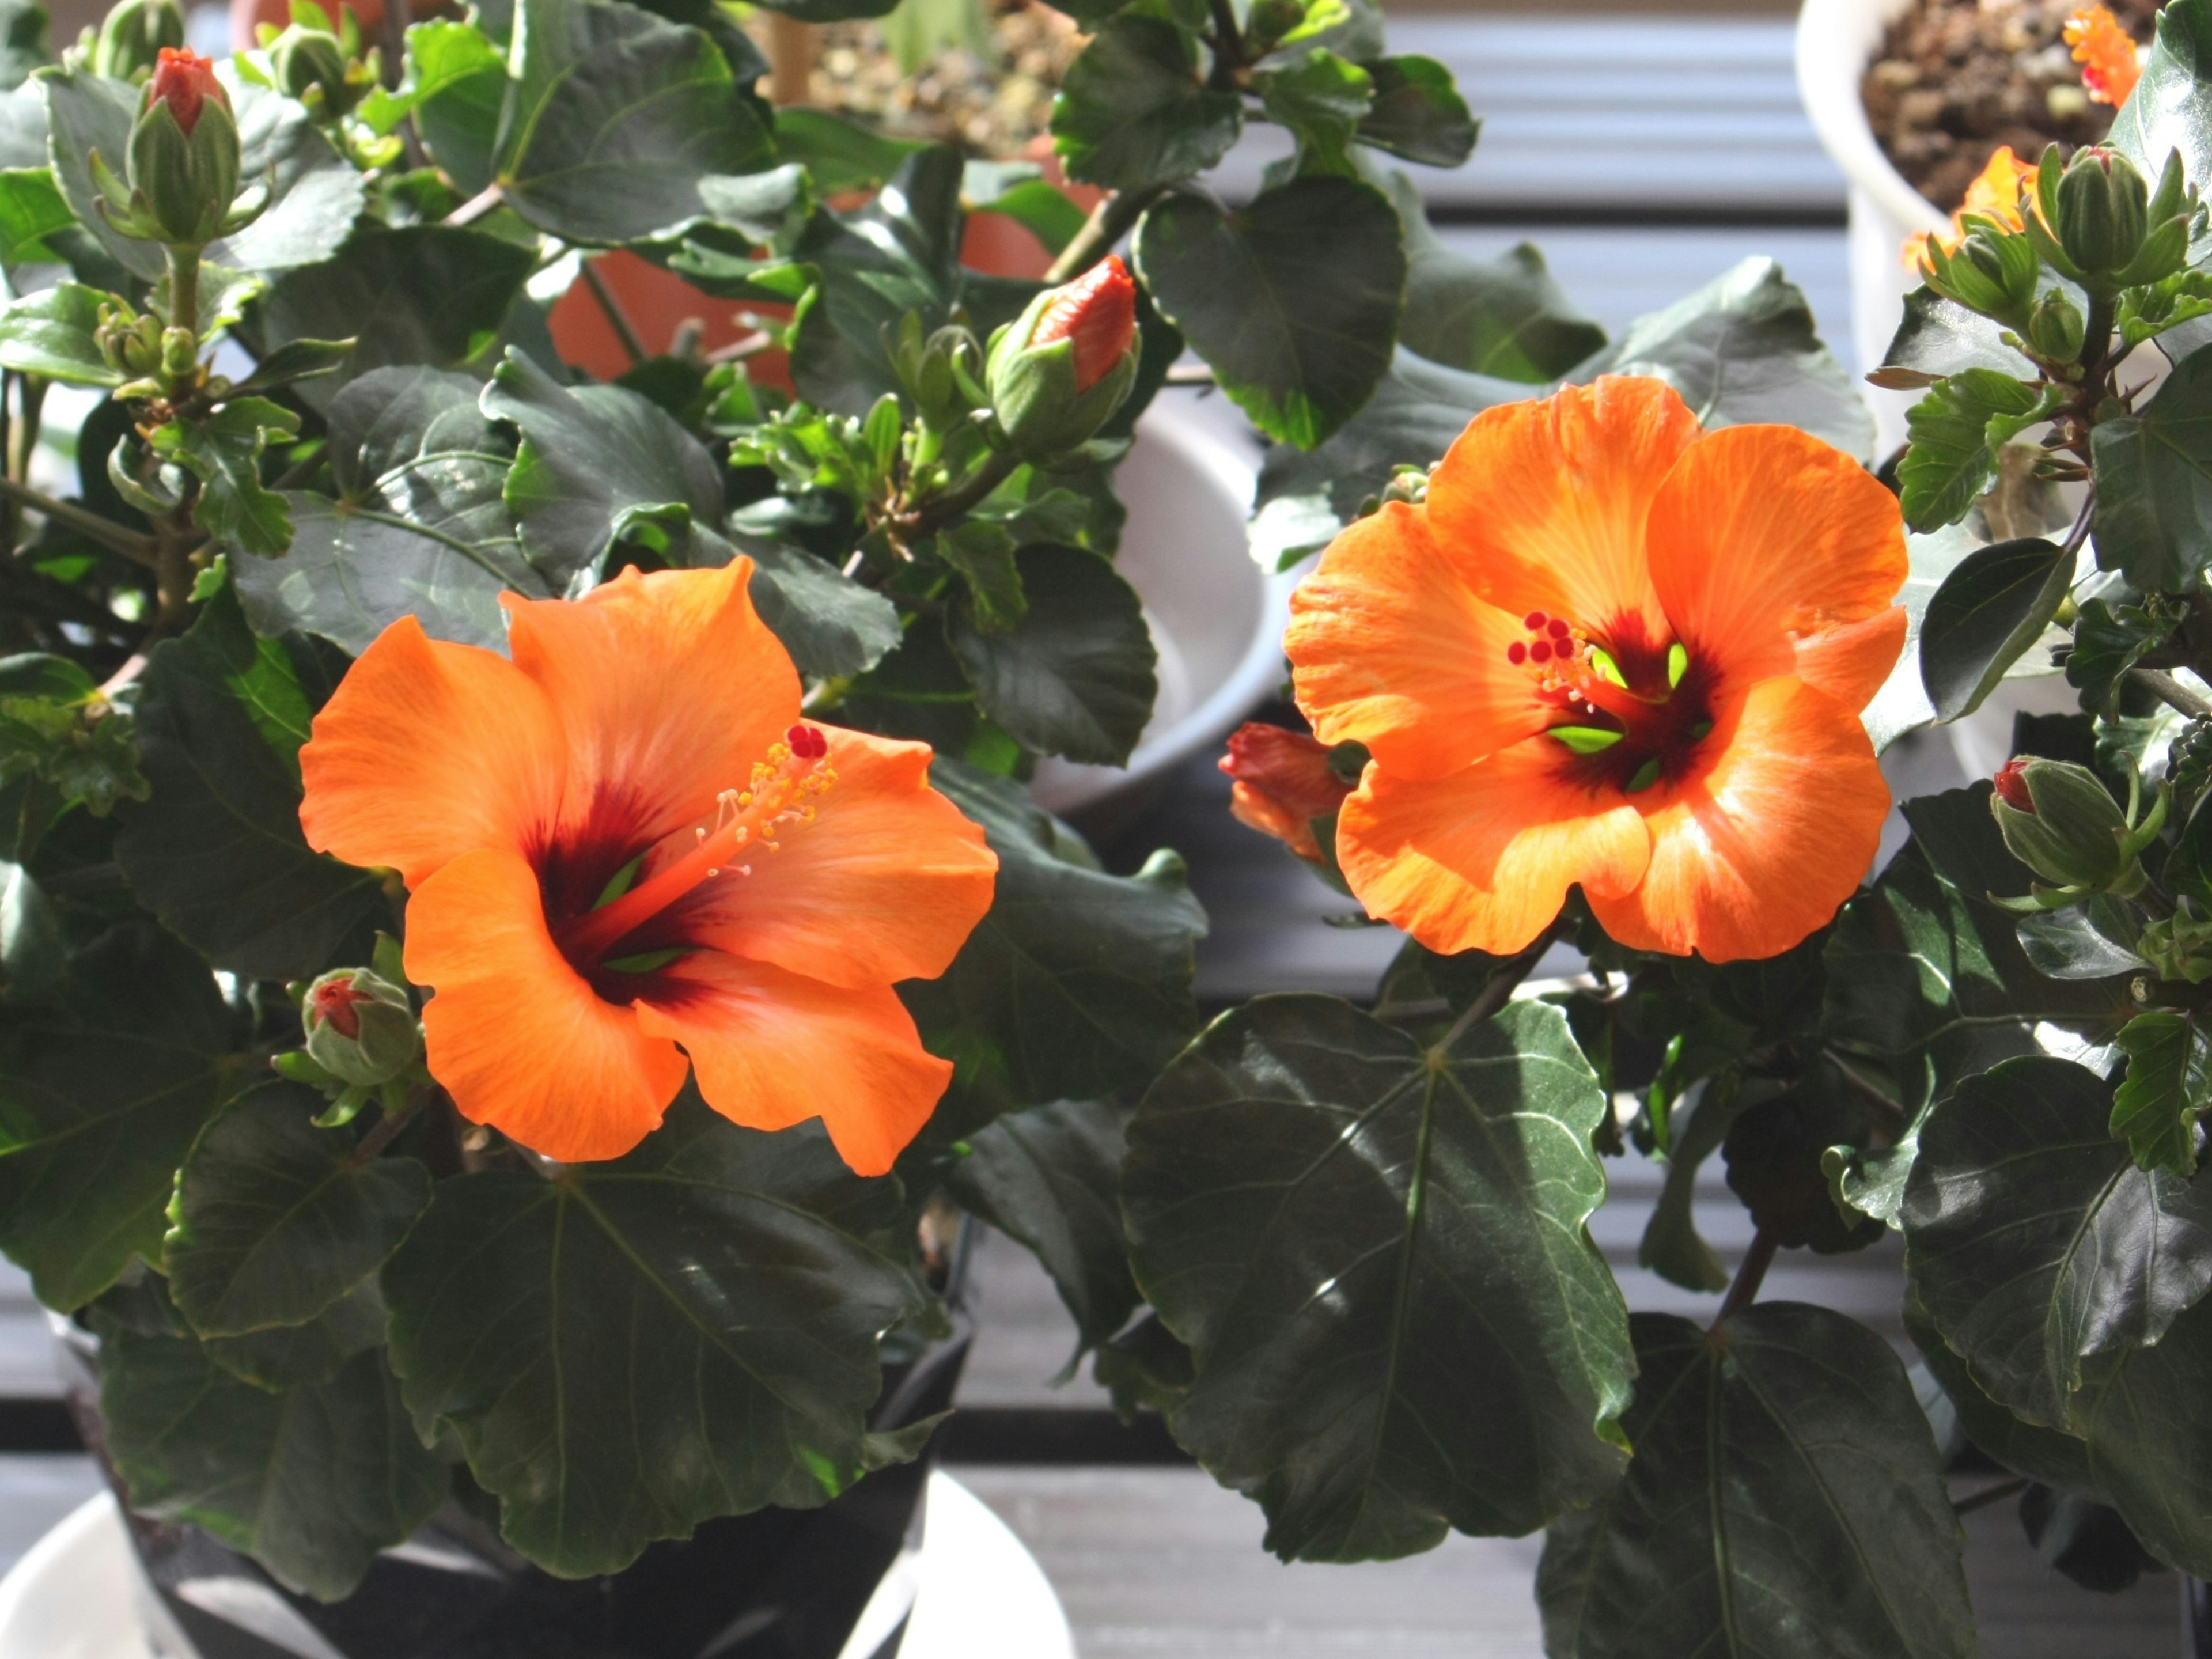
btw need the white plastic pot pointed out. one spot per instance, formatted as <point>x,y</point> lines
<point>1836,40</point>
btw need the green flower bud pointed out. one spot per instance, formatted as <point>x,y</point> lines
<point>2178,947</point>
<point>180,352</point>
<point>131,37</point>
<point>184,159</point>
<point>360,1028</point>
<point>310,61</point>
<point>2056,328</point>
<point>2104,209</point>
<point>1060,370</point>
<point>2061,822</point>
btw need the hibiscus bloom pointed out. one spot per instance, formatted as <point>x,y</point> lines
<point>629,859</point>
<point>1612,650</point>
<point>2109,65</point>
<point>1283,782</point>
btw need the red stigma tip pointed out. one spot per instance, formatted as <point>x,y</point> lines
<point>1534,620</point>
<point>807,742</point>
<point>1540,651</point>
<point>1517,653</point>
<point>2011,782</point>
<point>1558,627</point>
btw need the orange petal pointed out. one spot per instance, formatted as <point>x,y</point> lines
<point>669,687</point>
<point>772,1049</point>
<point>1760,850</point>
<point>1389,646</point>
<point>1482,859</point>
<point>885,885</point>
<point>1850,663</point>
<point>1542,505</point>
<point>518,1040</point>
<point>427,750</point>
<point>1762,536</point>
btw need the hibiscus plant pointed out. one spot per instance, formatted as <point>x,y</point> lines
<point>522,930</point>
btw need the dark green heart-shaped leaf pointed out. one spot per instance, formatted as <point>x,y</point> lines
<point>2167,1088</point>
<point>2109,639</point>
<point>1956,433</point>
<point>31,211</point>
<point>1294,300</point>
<point>1785,1497</point>
<point>1051,1178</point>
<point>312,1482</point>
<point>223,450</point>
<point>716,1295</point>
<point>460,87</point>
<point>2095,940</point>
<point>2152,519</point>
<point>1077,982</point>
<point>1671,1247</point>
<point>1074,676</point>
<point>420,526</point>
<point>276,1221</point>
<point>1941,338</point>
<point>829,623</point>
<point>2033,1241</point>
<point>2045,1454</point>
<point>1134,111</point>
<point>217,852</point>
<point>2141,1412</point>
<point>1376,1253</point>
<point>52,333</point>
<point>101,1094</point>
<point>33,951</point>
<point>837,153</point>
<point>1418,113</point>
<point>293,1356</point>
<point>1994,605</point>
<point>620,126</point>
<point>1320,100</point>
<point>2171,108</point>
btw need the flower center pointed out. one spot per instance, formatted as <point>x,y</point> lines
<point>1631,713</point>
<point>779,797</point>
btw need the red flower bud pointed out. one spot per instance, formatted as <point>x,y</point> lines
<point>183,80</point>
<point>1284,781</point>
<point>333,1001</point>
<point>1099,311</point>
<point>2011,782</point>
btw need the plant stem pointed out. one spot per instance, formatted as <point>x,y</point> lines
<point>477,206</point>
<point>115,538</point>
<point>1228,48</point>
<point>625,331</point>
<point>1749,1277</point>
<point>1497,992</point>
<point>389,1125</point>
<point>2174,692</point>
<point>1988,1495</point>
<point>1887,1113</point>
<point>935,514</point>
<point>2080,532</point>
<point>185,288</point>
<point>1108,222</point>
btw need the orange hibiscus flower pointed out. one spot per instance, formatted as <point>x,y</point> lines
<point>2105,52</point>
<point>1612,650</point>
<point>629,859</point>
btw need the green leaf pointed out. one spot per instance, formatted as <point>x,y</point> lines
<point>1994,605</point>
<point>2045,1454</point>
<point>424,294</point>
<point>1939,338</point>
<point>1956,432</point>
<point>2174,111</point>
<point>1074,676</point>
<point>1076,982</point>
<point>2154,483</point>
<point>717,1295</point>
<point>460,87</point>
<point>1146,1369</point>
<point>831,625</point>
<point>32,952</point>
<point>312,1482</point>
<point>1321,100</point>
<point>2169,1084</point>
<point>1132,110</point>
<point>217,852</point>
<point>420,526</point>
<point>2141,1412</point>
<point>1376,1253</point>
<point>2110,638</point>
<point>1418,113</point>
<point>51,333</point>
<point>223,451</point>
<point>1503,317</point>
<point>1051,1178</point>
<point>1293,300</point>
<point>31,209</point>
<point>981,554</point>
<point>593,457</point>
<point>1785,1497</point>
<point>2033,1241</point>
<point>830,11</point>
<point>101,1097</point>
<point>276,1221</point>
<point>2095,940</point>
<point>838,154</point>
<point>293,1356</point>
<point>1044,210</point>
<point>619,126</point>
<point>23,46</point>
<point>1671,1246</point>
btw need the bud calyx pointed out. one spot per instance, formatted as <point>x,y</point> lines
<point>2060,821</point>
<point>1058,371</point>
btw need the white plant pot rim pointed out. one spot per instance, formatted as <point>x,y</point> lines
<point>972,1591</point>
<point>1836,40</point>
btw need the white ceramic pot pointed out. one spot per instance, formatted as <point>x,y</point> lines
<point>1836,40</point>
<point>970,1592</point>
<point>1215,616</point>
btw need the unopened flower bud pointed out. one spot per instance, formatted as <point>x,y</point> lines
<point>183,149</point>
<point>1284,781</point>
<point>360,1027</point>
<point>132,36</point>
<point>2056,328</point>
<point>1060,370</point>
<point>2068,830</point>
<point>310,61</point>
<point>179,352</point>
<point>2103,209</point>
